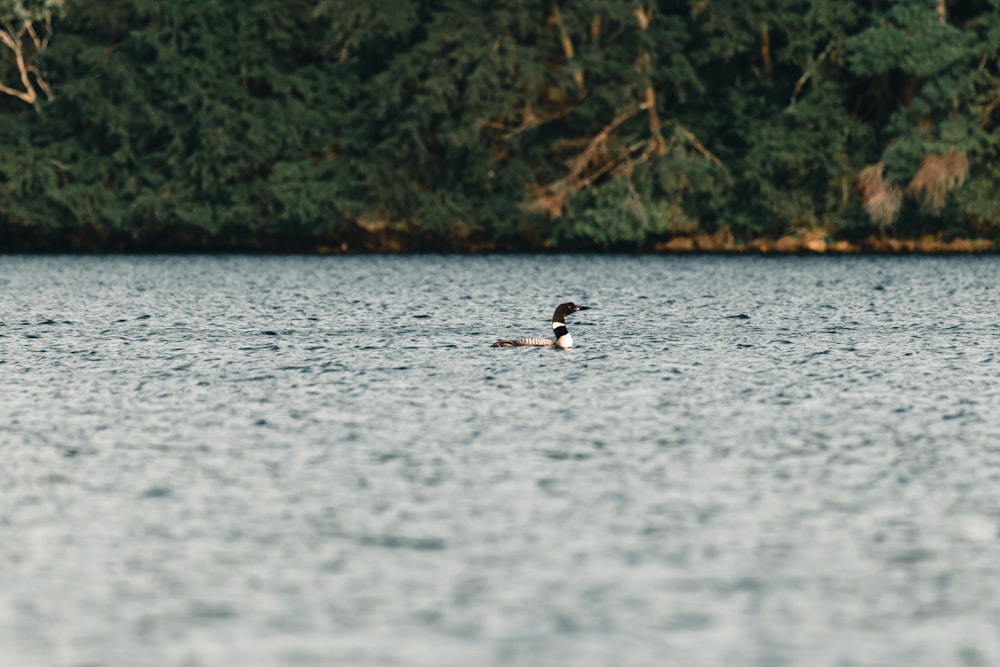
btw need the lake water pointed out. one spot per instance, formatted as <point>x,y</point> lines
<point>320,461</point>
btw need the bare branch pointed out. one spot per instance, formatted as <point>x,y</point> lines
<point>11,36</point>
<point>811,70</point>
<point>564,37</point>
<point>19,94</point>
<point>567,44</point>
<point>41,82</point>
<point>48,32</point>
<point>529,121</point>
<point>765,46</point>
<point>595,160</point>
<point>644,17</point>
<point>589,165</point>
<point>34,36</point>
<point>695,144</point>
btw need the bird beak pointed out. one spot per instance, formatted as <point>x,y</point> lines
<point>583,307</point>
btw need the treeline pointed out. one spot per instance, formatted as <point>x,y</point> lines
<point>338,125</point>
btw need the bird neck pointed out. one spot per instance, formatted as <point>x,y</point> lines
<point>563,337</point>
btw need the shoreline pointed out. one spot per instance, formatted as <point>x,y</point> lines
<point>383,242</point>
<point>680,245</point>
<point>817,243</point>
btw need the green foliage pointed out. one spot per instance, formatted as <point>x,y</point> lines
<point>530,123</point>
<point>31,10</point>
<point>910,38</point>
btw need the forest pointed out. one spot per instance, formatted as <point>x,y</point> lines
<point>473,126</point>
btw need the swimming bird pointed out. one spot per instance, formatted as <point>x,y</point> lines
<point>563,338</point>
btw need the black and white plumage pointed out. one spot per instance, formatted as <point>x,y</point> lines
<point>563,338</point>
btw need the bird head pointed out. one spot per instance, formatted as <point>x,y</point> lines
<point>565,309</point>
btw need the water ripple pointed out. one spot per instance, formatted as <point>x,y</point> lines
<point>282,461</point>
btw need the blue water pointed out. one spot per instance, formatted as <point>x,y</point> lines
<point>320,461</point>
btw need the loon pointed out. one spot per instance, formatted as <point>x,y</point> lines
<point>563,338</point>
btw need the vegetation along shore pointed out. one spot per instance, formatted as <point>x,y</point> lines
<point>426,125</point>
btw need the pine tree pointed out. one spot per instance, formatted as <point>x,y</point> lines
<point>428,124</point>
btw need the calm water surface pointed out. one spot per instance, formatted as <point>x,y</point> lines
<point>320,461</point>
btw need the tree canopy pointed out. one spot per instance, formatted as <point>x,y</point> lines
<point>447,124</point>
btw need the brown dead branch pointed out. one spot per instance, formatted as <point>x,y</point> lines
<point>43,42</point>
<point>567,44</point>
<point>595,28</point>
<point>937,176</point>
<point>646,149</point>
<point>654,118</point>
<point>592,163</point>
<point>880,198</point>
<point>695,144</point>
<point>596,160</point>
<point>529,121</point>
<point>12,36</point>
<point>656,146</point>
<point>811,70</point>
<point>765,46</point>
<point>986,113</point>
<point>644,17</point>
